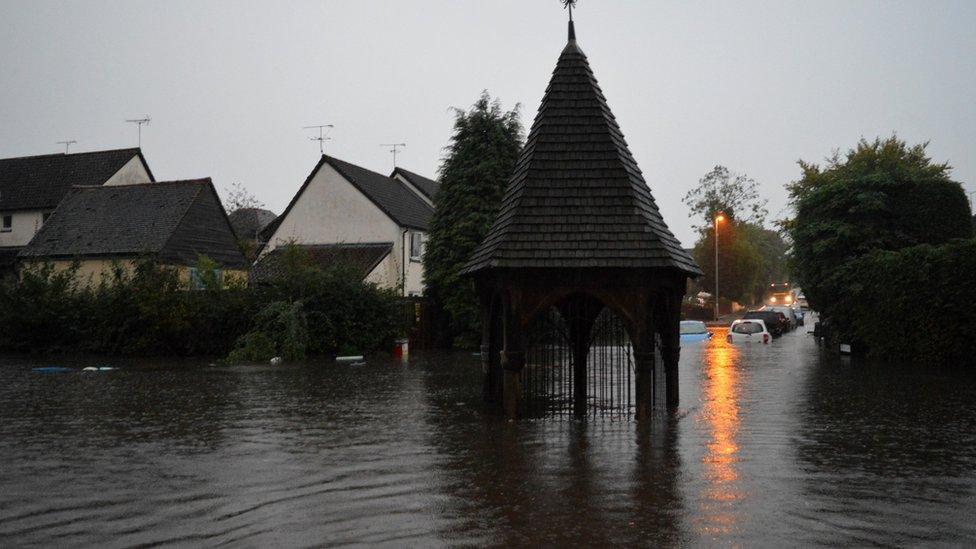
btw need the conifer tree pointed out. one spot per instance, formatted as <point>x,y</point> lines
<point>474,172</point>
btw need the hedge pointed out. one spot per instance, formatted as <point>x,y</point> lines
<point>149,312</point>
<point>916,305</point>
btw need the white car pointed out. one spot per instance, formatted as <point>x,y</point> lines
<point>748,331</point>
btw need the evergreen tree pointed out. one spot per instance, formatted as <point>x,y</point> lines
<point>473,174</point>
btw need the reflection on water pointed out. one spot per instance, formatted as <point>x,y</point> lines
<point>721,414</point>
<point>773,446</point>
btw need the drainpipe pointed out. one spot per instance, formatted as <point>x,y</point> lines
<point>403,263</point>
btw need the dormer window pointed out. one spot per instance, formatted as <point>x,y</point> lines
<point>7,223</point>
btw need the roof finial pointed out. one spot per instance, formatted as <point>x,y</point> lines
<point>569,4</point>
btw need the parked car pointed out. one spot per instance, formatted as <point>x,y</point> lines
<point>787,311</point>
<point>774,321</point>
<point>694,331</point>
<point>801,300</point>
<point>748,331</point>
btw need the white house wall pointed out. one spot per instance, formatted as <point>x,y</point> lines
<point>23,227</point>
<point>132,172</point>
<point>333,211</point>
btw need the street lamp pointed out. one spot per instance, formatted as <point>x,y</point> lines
<point>720,217</point>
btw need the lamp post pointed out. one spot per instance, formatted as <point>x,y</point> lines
<point>719,217</point>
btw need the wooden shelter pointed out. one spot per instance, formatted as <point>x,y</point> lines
<point>580,279</point>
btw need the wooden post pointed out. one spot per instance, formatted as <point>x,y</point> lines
<point>671,348</point>
<point>644,382</point>
<point>513,362</point>
<point>513,357</point>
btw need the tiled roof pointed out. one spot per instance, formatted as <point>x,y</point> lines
<point>40,182</point>
<point>361,257</point>
<point>576,197</point>
<point>248,222</point>
<point>425,185</point>
<point>175,220</point>
<point>400,203</point>
<point>389,195</point>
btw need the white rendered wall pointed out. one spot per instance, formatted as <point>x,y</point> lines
<point>25,225</point>
<point>132,172</point>
<point>333,211</point>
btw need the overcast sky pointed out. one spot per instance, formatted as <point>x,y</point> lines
<point>229,85</point>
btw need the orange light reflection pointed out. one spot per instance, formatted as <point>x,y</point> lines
<point>720,394</point>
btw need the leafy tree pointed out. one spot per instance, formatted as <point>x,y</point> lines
<point>880,196</point>
<point>734,194</point>
<point>473,174</point>
<point>739,261</point>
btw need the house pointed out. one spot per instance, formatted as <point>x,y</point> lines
<point>352,211</point>
<point>32,186</point>
<point>173,222</point>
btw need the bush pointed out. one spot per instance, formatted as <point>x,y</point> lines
<point>148,311</point>
<point>881,196</point>
<point>914,305</point>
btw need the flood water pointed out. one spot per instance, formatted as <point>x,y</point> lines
<point>773,446</point>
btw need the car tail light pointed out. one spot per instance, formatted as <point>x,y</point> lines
<point>765,338</point>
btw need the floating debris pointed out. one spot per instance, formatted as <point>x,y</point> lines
<point>350,358</point>
<point>52,369</point>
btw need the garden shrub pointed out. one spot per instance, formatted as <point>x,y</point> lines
<point>914,305</point>
<point>147,310</point>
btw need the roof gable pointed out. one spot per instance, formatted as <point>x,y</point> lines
<point>40,182</point>
<point>399,203</point>
<point>576,197</point>
<point>390,196</point>
<point>126,220</point>
<point>425,185</point>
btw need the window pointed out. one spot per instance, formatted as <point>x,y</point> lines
<point>201,280</point>
<point>416,246</point>
<point>747,328</point>
<point>8,224</point>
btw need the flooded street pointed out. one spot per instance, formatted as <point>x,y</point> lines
<point>774,445</point>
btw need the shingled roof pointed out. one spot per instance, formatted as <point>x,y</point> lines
<point>363,258</point>
<point>577,197</point>
<point>40,182</point>
<point>423,184</point>
<point>174,221</point>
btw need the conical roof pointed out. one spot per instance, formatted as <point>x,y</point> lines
<point>577,197</point>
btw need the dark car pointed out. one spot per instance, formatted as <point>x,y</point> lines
<point>774,321</point>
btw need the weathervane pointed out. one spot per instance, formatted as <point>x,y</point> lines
<point>569,4</point>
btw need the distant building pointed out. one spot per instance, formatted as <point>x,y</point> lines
<point>354,212</point>
<point>248,224</point>
<point>32,186</point>
<point>172,222</point>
